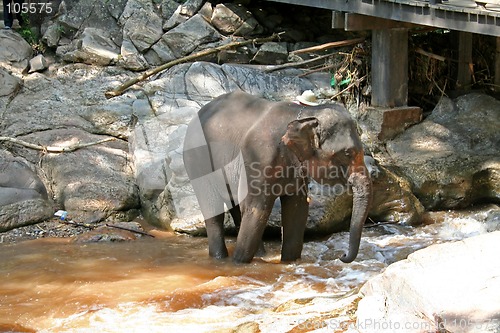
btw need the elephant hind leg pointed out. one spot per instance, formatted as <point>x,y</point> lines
<point>236,215</point>
<point>215,233</point>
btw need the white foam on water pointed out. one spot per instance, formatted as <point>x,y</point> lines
<point>255,292</point>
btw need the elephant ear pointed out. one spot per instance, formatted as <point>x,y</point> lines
<point>302,137</point>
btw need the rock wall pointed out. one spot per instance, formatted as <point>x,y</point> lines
<point>93,183</point>
<point>450,160</point>
<point>139,34</point>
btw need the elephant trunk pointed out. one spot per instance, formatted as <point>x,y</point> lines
<point>361,184</point>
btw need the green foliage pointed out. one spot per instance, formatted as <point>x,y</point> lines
<point>27,33</point>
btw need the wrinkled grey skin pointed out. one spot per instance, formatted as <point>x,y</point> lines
<point>259,151</point>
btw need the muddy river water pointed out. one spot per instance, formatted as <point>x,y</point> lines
<point>163,284</point>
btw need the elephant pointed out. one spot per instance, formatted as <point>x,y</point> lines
<point>242,152</point>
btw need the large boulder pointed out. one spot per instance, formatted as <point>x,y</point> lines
<point>23,197</point>
<point>91,183</point>
<point>141,24</point>
<point>271,53</point>
<point>15,52</point>
<point>62,98</point>
<point>451,287</point>
<point>393,201</point>
<point>234,19</point>
<point>182,12</point>
<point>82,14</point>
<point>452,157</point>
<point>8,83</point>
<point>95,47</point>
<point>131,58</point>
<point>186,37</point>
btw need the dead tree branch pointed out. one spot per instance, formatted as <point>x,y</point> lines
<point>329,45</point>
<point>356,82</point>
<point>430,55</point>
<point>121,89</point>
<point>53,149</point>
<point>298,63</point>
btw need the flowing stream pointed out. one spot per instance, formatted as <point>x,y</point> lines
<point>162,284</point>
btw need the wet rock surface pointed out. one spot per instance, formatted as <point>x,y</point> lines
<point>408,295</point>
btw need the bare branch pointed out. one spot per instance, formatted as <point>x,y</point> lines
<point>121,89</point>
<point>53,149</point>
<point>329,45</point>
<point>298,63</point>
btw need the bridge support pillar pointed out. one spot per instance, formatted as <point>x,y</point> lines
<point>390,67</point>
<point>497,66</point>
<point>465,69</point>
<point>390,114</point>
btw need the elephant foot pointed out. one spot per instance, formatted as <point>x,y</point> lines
<point>218,254</point>
<point>242,257</point>
<point>289,259</point>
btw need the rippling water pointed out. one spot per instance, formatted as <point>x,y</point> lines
<point>161,284</point>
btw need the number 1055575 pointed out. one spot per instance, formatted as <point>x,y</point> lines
<point>32,7</point>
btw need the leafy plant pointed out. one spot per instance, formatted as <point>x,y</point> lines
<point>27,33</point>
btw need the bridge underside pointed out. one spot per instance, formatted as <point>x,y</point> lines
<point>460,15</point>
<point>390,20</point>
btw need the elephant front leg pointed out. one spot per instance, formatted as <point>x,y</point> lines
<point>236,214</point>
<point>294,212</point>
<point>215,233</point>
<point>253,223</point>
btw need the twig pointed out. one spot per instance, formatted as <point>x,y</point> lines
<point>434,56</point>
<point>320,69</point>
<point>358,81</point>
<point>439,88</point>
<point>76,224</point>
<point>90,226</point>
<point>52,149</point>
<point>329,45</point>
<point>121,89</point>
<point>129,229</point>
<point>298,63</point>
